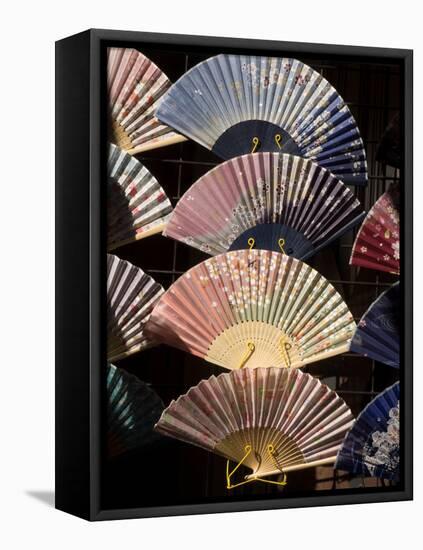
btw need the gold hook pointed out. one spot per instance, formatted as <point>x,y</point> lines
<point>251,242</point>
<point>281,243</point>
<point>248,449</point>
<point>256,143</point>
<point>229,474</point>
<point>272,452</point>
<point>278,139</point>
<point>250,350</point>
<point>286,347</point>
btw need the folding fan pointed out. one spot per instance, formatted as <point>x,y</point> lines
<point>137,205</point>
<point>135,87</point>
<point>131,296</point>
<point>377,245</point>
<point>132,410</point>
<point>235,105</point>
<point>378,332</point>
<point>256,308</point>
<point>270,201</point>
<point>372,446</point>
<point>268,419</point>
<point>389,150</point>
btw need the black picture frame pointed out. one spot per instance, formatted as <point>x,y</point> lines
<point>80,269</point>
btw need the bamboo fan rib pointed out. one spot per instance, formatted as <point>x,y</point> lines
<point>269,201</point>
<point>302,420</point>
<point>377,245</point>
<point>238,104</point>
<point>255,308</point>
<point>132,410</point>
<point>372,446</point>
<point>131,296</point>
<point>378,333</point>
<point>137,205</point>
<point>135,87</point>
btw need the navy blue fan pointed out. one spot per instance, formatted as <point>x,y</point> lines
<point>238,104</point>
<point>132,410</point>
<point>372,445</point>
<point>378,332</point>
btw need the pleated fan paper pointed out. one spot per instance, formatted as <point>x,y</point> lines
<point>131,296</point>
<point>135,87</point>
<point>255,308</point>
<point>377,245</point>
<point>132,410</point>
<point>282,419</point>
<point>372,446</point>
<point>269,201</point>
<point>238,104</point>
<point>378,332</point>
<point>137,205</point>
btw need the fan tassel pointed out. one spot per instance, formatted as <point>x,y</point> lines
<point>248,450</point>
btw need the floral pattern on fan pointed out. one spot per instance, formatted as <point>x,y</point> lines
<point>377,245</point>
<point>135,87</point>
<point>372,445</point>
<point>382,450</point>
<point>266,200</point>
<point>277,310</point>
<point>238,104</point>
<point>287,419</point>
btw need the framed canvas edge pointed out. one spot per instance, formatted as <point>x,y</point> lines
<point>97,36</point>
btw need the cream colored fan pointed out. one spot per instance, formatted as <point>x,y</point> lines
<point>131,296</point>
<point>136,86</point>
<point>137,205</point>
<point>256,308</point>
<point>271,420</point>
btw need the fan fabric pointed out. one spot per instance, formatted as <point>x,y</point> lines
<point>378,332</point>
<point>135,87</point>
<point>238,104</point>
<point>372,446</point>
<point>302,419</point>
<point>270,201</point>
<point>131,296</point>
<point>253,307</point>
<point>137,206</point>
<point>377,245</point>
<point>132,410</point>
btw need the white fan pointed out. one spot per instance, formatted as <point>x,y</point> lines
<point>137,205</point>
<point>131,296</point>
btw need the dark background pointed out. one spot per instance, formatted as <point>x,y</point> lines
<point>172,472</point>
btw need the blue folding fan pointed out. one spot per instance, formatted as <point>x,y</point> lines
<point>372,445</point>
<point>238,104</point>
<point>377,333</point>
<point>132,410</point>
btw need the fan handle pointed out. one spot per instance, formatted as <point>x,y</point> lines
<point>248,450</point>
